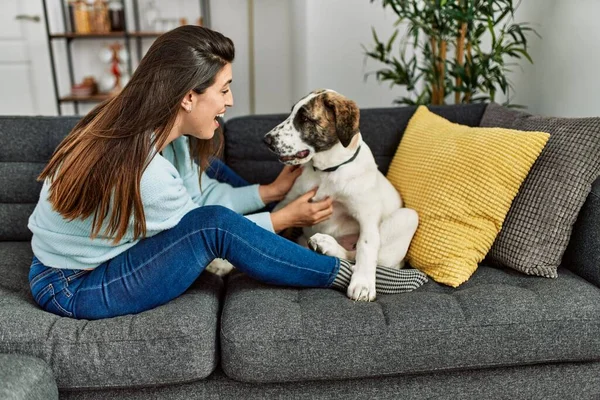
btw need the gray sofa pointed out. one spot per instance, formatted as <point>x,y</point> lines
<point>501,335</point>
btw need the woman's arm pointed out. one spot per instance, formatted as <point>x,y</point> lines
<point>242,200</point>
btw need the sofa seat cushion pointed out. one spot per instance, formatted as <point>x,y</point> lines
<point>26,378</point>
<point>174,343</point>
<point>499,317</point>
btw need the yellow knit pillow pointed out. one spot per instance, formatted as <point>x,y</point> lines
<point>461,181</point>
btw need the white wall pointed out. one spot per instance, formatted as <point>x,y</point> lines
<point>230,17</point>
<point>301,45</point>
<point>85,51</point>
<point>273,56</point>
<point>334,32</point>
<point>564,79</point>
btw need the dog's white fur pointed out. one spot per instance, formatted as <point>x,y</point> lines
<point>365,203</point>
<point>219,266</point>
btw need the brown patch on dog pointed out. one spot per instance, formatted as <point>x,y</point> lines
<point>326,119</point>
<point>346,116</point>
<point>316,125</point>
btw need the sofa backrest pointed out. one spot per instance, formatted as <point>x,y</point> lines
<point>381,128</point>
<point>583,254</point>
<point>26,144</point>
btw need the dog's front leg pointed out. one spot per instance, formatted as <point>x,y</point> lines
<point>362,283</point>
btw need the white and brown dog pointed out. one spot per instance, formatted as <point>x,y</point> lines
<point>322,132</point>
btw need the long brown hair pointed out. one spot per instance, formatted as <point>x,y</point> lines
<point>98,167</point>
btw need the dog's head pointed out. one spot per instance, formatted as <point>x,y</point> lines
<point>318,122</point>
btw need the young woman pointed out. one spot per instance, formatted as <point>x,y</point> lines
<point>126,221</point>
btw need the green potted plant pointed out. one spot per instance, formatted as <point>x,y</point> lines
<point>450,57</point>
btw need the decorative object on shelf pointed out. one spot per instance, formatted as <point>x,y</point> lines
<point>115,55</point>
<point>88,87</point>
<point>444,51</point>
<point>100,22</point>
<point>81,14</point>
<point>116,15</point>
<point>81,22</point>
<point>88,17</point>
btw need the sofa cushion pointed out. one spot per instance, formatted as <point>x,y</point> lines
<point>176,342</point>
<point>583,254</point>
<point>538,226</point>
<point>26,378</point>
<point>381,129</point>
<point>461,181</point>
<point>564,381</point>
<point>27,144</point>
<point>498,318</point>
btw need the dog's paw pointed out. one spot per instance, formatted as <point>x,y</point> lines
<point>220,267</point>
<point>327,245</point>
<point>362,287</point>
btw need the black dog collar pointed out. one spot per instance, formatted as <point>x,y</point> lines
<point>337,166</point>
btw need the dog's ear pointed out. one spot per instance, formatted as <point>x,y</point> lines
<point>346,116</point>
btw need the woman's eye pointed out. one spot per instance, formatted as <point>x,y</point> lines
<point>225,91</point>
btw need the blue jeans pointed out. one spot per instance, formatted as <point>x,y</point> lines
<point>160,268</point>
<point>218,170</point>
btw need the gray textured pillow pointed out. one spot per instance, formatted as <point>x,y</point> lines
<point>537,228</point>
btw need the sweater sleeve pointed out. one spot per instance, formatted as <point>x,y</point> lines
<point>243,200</point>
<point>262,219</point>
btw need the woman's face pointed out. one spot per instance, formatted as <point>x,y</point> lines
<point>201,122</point>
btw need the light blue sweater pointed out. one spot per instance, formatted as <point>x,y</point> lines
<point>169,189</point>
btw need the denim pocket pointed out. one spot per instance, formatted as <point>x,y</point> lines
<point>56,303</point>
<point>47,298</point>
<point>42,293</point>
<point>49,287</point>
<point>40,276</point>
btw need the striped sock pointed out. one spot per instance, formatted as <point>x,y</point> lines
<point>387,280</point>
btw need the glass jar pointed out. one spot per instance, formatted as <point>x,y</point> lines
<point>99,17</point>
<point>116,16</point>
<point>81,12</point>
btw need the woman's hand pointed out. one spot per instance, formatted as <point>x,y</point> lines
<point>277,190</point>
<point>302,212</point>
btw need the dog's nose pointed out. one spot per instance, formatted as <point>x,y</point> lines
<point>268,140</point>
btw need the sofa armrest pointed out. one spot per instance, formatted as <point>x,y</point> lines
<point>583,254</point>
<point>26,378</point>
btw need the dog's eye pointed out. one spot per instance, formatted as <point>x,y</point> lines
<point>304,118</point>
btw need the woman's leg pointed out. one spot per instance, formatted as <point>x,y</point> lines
<point>218,170</point>
<point>160,268</point>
